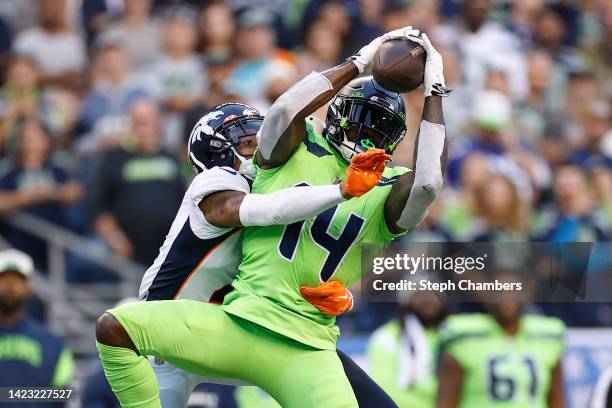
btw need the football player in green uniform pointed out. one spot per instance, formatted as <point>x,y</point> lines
<point>501,359</point>
<point>403,353</point>
<point>266,333</point>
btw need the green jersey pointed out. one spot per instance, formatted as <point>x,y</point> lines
<point>277,260</point>
<point>385,358</point>
<point>503,371</point>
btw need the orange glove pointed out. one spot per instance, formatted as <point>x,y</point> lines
<point>330,297</point>
<point>364,172</point>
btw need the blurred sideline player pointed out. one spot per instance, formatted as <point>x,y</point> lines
<point>266,333</point>
<point>502,359</point>
<point>30,355</point>
<point>403,353</point>
<point>200,255</point>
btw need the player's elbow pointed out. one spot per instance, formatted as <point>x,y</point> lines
<point>281,109</point>
<point>428,188</point>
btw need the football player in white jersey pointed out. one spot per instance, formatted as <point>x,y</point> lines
<point>199,257</point>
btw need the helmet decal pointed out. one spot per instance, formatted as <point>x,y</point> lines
<point>367,144</point>
<point>213,139</point>
<point>203,127</point>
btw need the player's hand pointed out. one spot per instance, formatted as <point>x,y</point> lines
<point>366,54</point>
<point>364,172</point>
<point>404,32</point>
<point>434,68</point>
<point>330,297</point>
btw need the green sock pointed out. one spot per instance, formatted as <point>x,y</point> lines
<point>130,376</point>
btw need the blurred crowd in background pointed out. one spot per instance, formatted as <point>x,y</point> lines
<point>97,99</point>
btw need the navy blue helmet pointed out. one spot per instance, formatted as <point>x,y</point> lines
<point>214,138</point>
<point>364,115</point>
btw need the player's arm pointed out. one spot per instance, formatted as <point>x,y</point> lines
<point>450,382</point>
<point>556,397</point>
<point>414,192</point>
<point>231,208</point>
<point>236,209</point>
<point>284,128</point>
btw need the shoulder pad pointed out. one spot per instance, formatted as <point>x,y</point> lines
<point>217,179</point>
<point>314,141</point>
<point>463,327</point>
<point>218,171</point>
<point>539,326</point>
<point>391,174</point>
<point>386,336</point>
<point>316,124</point>
<point>395,171</point>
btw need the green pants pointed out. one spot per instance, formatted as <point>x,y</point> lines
<point>202,338</point>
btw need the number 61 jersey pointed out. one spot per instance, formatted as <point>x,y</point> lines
<point>502,371</point>
<point>278,260</point>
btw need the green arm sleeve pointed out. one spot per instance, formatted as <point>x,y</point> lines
<point>64,369</point>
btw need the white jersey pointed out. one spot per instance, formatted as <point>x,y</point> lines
<point>197,258</point>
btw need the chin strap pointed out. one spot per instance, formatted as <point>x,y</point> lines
<point>247,168</point>
<point>344,147</point>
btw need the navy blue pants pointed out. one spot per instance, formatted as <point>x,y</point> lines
<point>368,393</point>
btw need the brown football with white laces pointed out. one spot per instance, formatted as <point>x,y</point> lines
<point>399,65</point>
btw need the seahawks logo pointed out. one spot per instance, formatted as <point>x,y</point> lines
<point>196,134</point>
<point>367,144</point>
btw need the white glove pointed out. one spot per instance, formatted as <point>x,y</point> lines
<point>366,54</point>
<point>434,68</point>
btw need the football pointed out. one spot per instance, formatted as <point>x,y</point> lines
<point>399,65</point>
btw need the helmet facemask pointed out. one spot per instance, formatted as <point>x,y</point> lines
<point>226,139</point>
<point>236,131</point>
<point>360,124</point>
